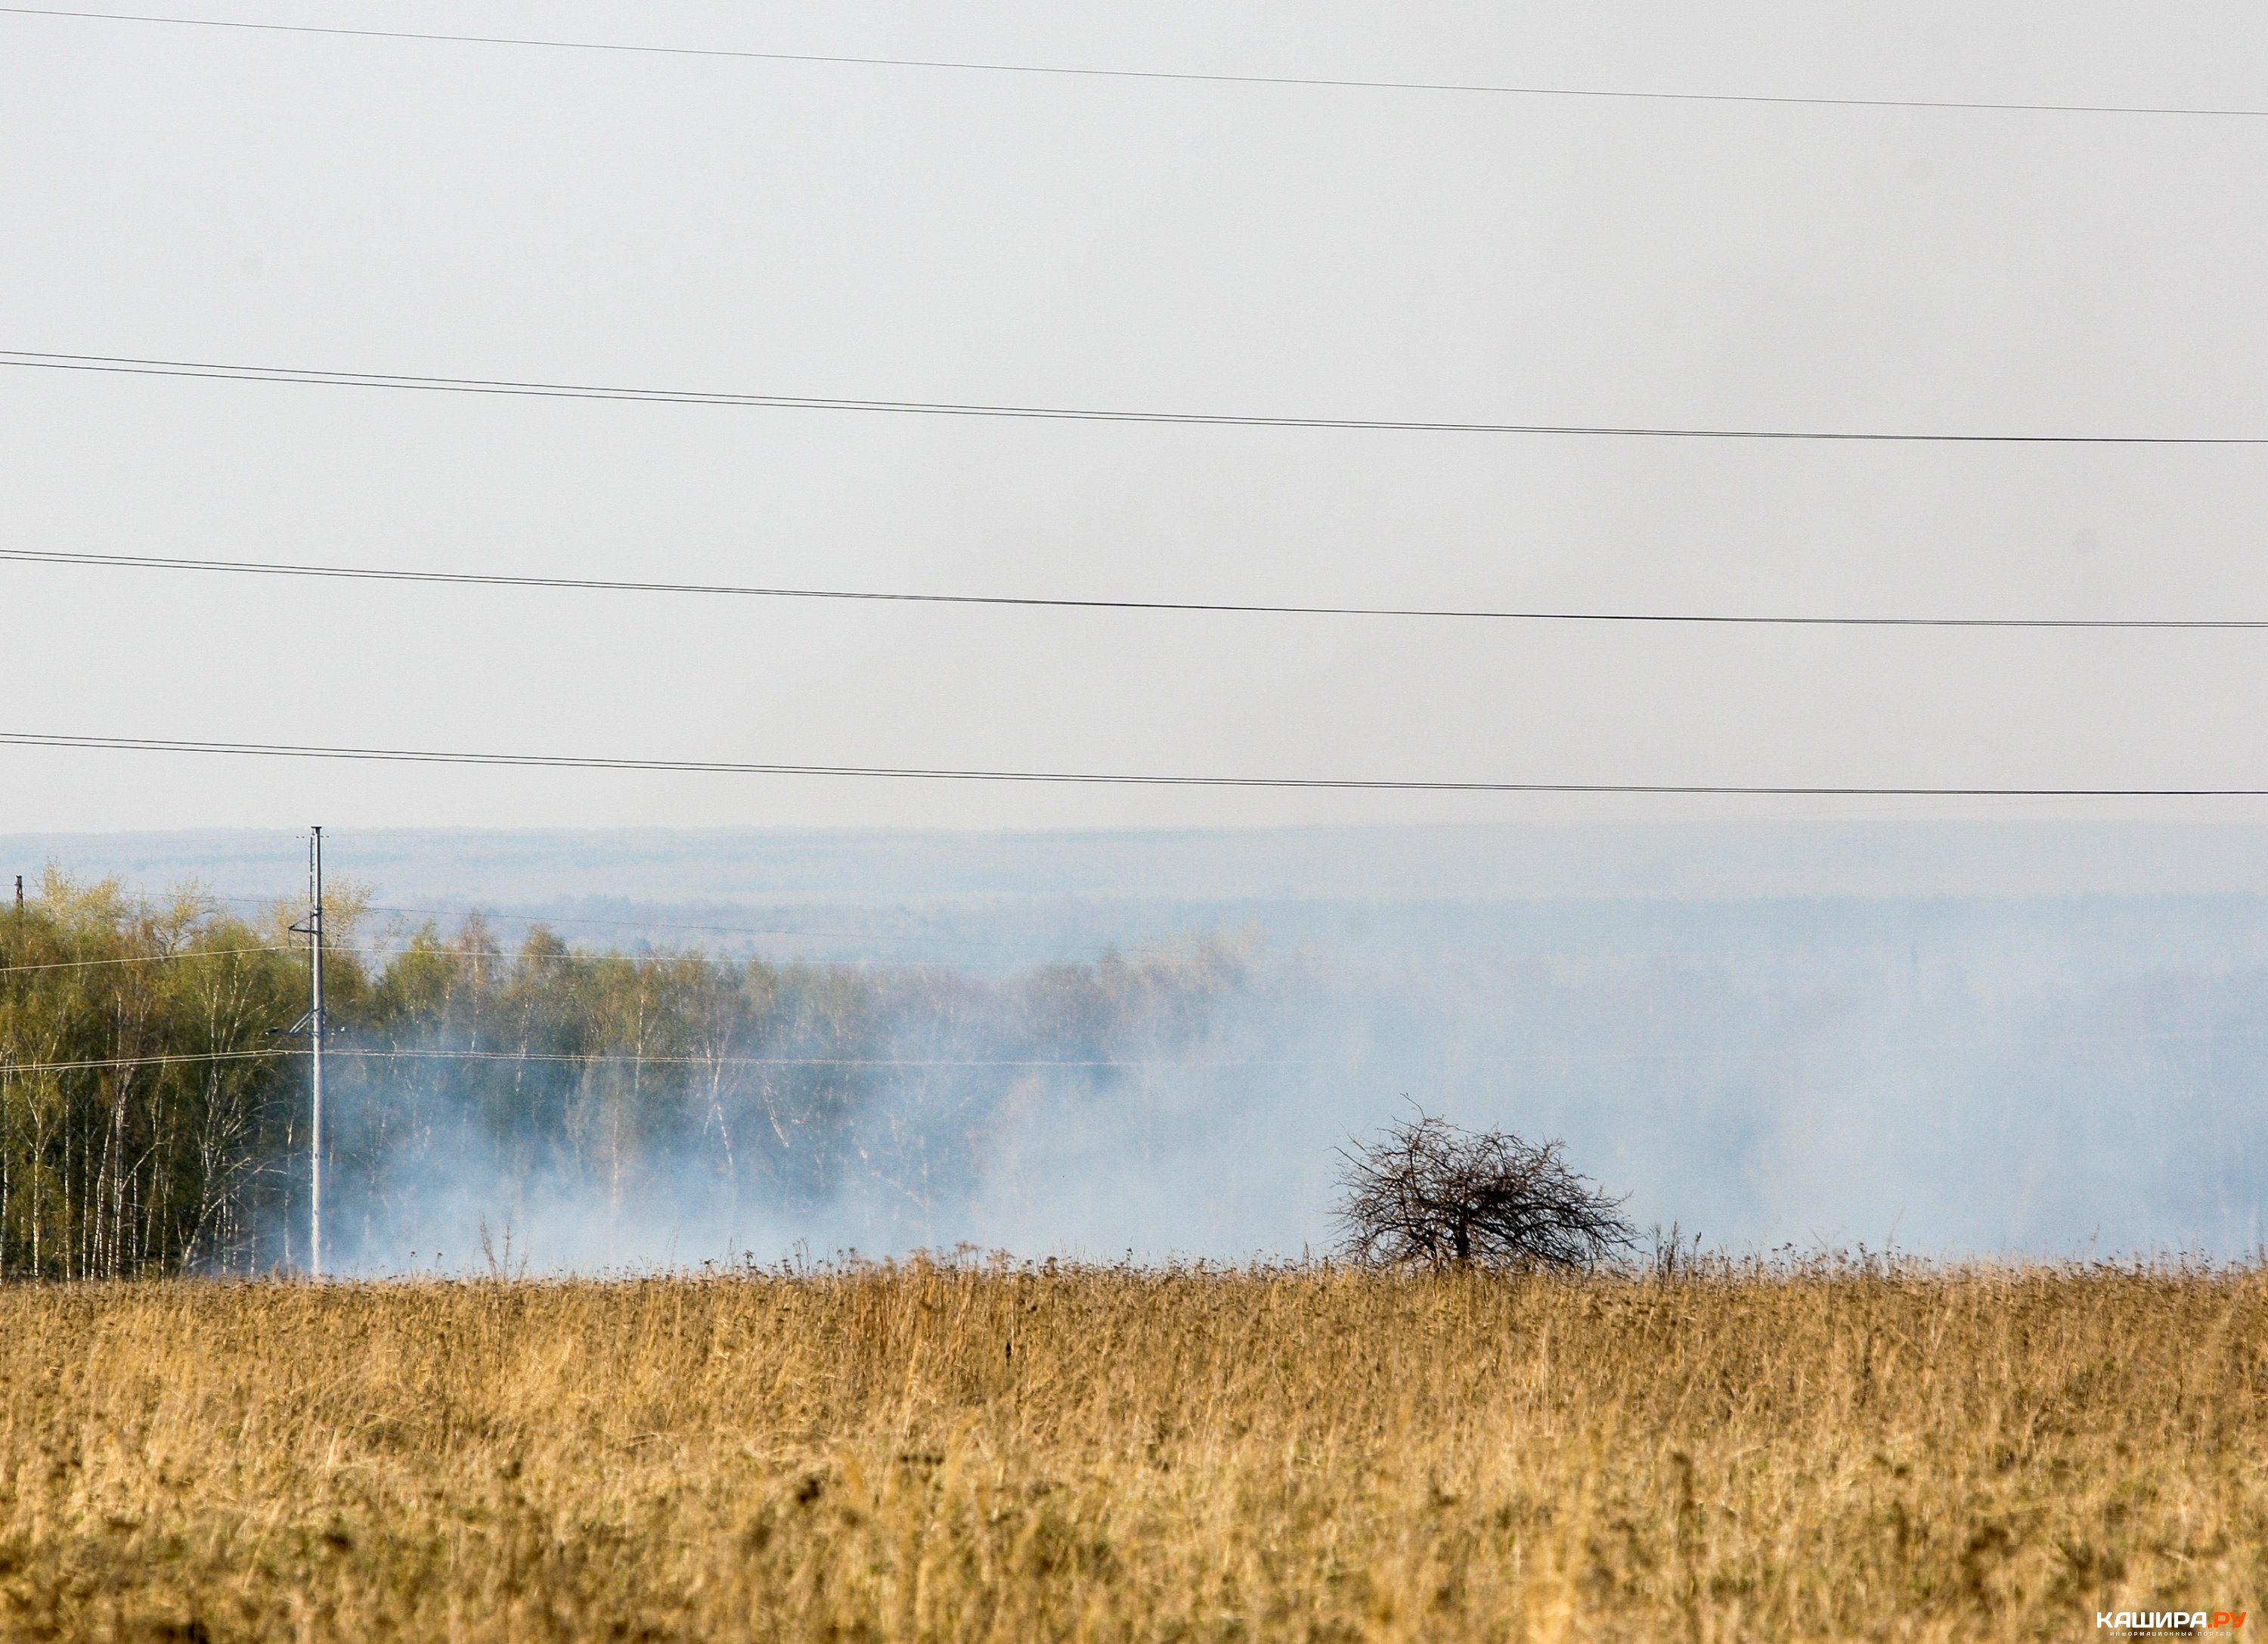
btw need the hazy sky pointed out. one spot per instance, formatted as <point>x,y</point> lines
<point>905,233</point>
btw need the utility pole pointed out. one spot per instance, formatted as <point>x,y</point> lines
<point>316,1025</point>
<point>312,1025</point>
<point>315,1029</point>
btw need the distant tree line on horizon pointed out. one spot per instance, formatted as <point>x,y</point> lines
<point>153,1117</point>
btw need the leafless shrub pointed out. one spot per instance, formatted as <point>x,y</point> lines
<point>1426,1192</point>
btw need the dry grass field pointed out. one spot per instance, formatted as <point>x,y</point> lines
<point>948,1453</point>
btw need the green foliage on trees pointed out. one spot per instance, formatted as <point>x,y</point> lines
<point>614,1070</point>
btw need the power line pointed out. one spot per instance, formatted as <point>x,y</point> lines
<point>959,65</point>
<point>400,951</point>
<point>641,924</point>
<point>227,953</point>
<point>662,925</point>
<point>501,957</point>
<point>644,925</point>
<point>607,1059</point>
<point>613,1058</point>
<point>208,371</point>
<point>718,767</point>
<point>602,585</point>
<point>142,958</point>
<point>7,1066</point>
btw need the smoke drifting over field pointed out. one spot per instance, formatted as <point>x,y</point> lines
<point>1155,1044</point>
<point>1953,1076</point>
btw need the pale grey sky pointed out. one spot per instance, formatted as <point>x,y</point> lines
<point>910,234</point>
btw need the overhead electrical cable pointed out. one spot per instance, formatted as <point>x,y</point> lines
<point>7,1066</point>
<point>145,959</point>
<point>372,573</point>
<point>549,919</point>
<point>1187,77</point>
<point>718,767</point>
<point>513,957</point>
<point>605,1059</point>
<point>613,1058</point>
<point>510,916</point>
<point>714,930</point>
<point>404,950</point>
<point>212,371</point>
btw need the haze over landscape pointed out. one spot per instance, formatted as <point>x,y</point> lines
<point>1293,823</point>
<point>1960,1038</point>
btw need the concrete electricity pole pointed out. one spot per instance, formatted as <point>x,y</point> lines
<point>316,1029</point>
<point>311,1025</point>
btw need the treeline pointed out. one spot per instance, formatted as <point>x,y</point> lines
<point>153,1115</point>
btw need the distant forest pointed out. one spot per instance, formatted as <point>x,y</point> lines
<point>154,1115</point>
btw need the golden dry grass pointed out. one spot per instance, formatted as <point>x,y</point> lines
<point>931,1452</point>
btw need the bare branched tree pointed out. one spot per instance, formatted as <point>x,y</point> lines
<point>1426,1192</point>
